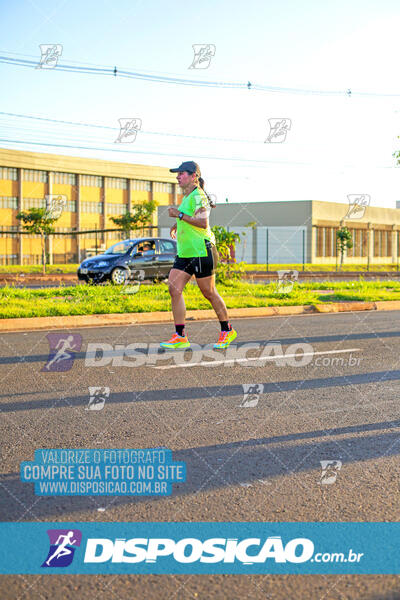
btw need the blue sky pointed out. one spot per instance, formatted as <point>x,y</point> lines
<point>337,145</point>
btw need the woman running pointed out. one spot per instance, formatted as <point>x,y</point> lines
<point>197,255</point>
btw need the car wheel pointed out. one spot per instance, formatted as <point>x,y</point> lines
<point>118,276</point>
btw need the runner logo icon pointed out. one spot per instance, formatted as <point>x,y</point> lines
<point>251,394</point>
<point>63,543</point>
<point>62,349</point>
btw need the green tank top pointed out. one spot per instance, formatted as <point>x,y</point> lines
<point>190,239</point>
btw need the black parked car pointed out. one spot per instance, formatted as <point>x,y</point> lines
<point>137,259</point>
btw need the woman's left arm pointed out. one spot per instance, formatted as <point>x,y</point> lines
<point>200,218</point>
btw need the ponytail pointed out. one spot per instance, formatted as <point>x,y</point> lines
<point>211,202</point>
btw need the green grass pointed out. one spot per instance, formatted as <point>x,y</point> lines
<point>107,299</point>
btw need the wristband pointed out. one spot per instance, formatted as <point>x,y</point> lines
<point>180,216</point>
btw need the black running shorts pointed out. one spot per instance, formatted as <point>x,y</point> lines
<point>199,266</point>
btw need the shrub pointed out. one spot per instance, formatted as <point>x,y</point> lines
<point>226,273</point>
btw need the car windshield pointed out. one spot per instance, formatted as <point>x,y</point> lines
<point>120,248</point>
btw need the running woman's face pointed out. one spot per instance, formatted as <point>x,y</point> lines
<point>185,179</point>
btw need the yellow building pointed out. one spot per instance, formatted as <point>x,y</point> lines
<point>94,190</point>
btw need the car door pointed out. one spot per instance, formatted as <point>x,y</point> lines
<point>166,254</point>
<point>143,259</point>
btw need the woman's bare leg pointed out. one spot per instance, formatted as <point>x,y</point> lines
<point>176,282</point>
<point>209,291</point>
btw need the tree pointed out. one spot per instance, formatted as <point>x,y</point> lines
<point>344,240</point>
<point>38,221</point>
<point>253,225</point>
<point>225,242</point>
<point>139,217</point>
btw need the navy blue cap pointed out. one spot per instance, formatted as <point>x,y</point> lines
<point>190,166</point>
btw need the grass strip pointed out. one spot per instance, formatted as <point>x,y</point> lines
<point>109,299</point>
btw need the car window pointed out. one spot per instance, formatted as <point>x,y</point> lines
<point>146,248</point>
<point>120,248</point>
<point>167,247</point>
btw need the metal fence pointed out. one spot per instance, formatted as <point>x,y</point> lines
<point>268,245</point>
<point>259,245</point>
<point>62,247</point>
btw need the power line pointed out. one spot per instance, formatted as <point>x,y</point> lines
<point>248,161</point>
<point>123,73</point>
<point>245,160</point>
<point>141,131</point>
<point>153,78</point>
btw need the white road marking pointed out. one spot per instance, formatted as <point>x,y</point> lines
<point>275,357</point>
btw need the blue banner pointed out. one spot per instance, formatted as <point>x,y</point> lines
<point>195,548</point>
<point>103,472</point>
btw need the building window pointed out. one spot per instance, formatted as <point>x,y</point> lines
<point>116,209</point>
<point>9,259</point>
<point>116,235</point>
<point>360,243</point>
<point>41,203</point>
<point>36,176</point>
<point>8,228</point>
<point>357,248</point>
<point>364,242</point>
<point>91,181</point>
<point>9,202</point>
<point>8,173</point>
<point>326,242</point>
<point>143,186</point>
<point>92,207</point>
<point>319,250</point>
<point>352,251</point>
<point>360,237</point>
<point>59,230</point>
<point>162,187</point>
<point>34,203</point>
<point>116,183</point>
<point>377,242</point>
<point>387,243</point>
<point>88,236</point>
<point>382,242</point>
<point>71,206</point>
<point>67,178</point>
<point>389,238</point>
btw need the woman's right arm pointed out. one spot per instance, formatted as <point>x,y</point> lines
<point>172,231</point>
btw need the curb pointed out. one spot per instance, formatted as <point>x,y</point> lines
<point>71,322</point>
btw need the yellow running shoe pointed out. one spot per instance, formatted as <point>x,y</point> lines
<point>225,338</point>
<point>176,341</point>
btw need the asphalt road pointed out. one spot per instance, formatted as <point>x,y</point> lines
<point>249,458</point>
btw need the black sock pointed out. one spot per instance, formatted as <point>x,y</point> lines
<point>225,326</point>
<point>180,329</point>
